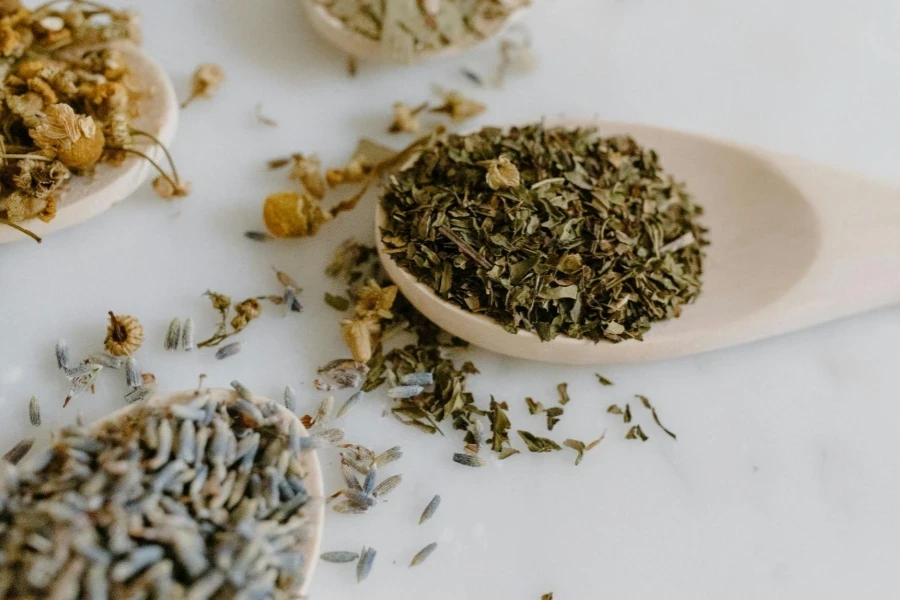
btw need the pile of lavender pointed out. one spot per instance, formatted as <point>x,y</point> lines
<point>198,500</point>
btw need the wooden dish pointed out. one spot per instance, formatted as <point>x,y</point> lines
<point>360,46</point>
<point>85,197</point>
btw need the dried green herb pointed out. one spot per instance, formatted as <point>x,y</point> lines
<point>615,409</point>
<point>646,402</point>
<point>574,234</point>
<point>626,416</point>
<point>534,407</point>
<point>339,303</point>
<point>506,453</point>
<point>580,447</point>
<point>563,389</point>
<point>553,415</point>
<point>636,433</point>
<point>538,444</point>
<point>547,596</point>
<point>603,380</point>
<point>499,425</point>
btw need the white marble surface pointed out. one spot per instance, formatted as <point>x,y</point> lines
<point>784,481</point>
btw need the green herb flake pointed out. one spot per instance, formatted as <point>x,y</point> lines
<point>563,389</point>
<point>636,433</point>
<point>538,444</point>
<point>626,416</point>
<point>506,453</point>
<point>580,447</point>
<point>603,380</point>
<point>534,407</point>
<point>339,303</point>
<point>499,425</point>
<point>553,415</point>
<point>615,409</point>
<point>646,402</point>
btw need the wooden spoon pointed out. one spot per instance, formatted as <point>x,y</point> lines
<point>84,197</point>
<point>794,244</point>
<point>357,45</point>
<point>313,479</point>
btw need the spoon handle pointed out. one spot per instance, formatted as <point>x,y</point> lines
<point>857,264</point>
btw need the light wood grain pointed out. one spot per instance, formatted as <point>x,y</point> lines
<point>85,197</point>
<point>794,244</point>
<point>313,480</point>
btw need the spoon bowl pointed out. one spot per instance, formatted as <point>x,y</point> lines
<point>359,46</point>
<point>313,479</point>
<point>85,197</point>
<point>793,244</point>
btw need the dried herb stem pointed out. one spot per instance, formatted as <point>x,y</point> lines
<point>173,182</point>
<point>30,234</point>
<point>162,146</point>
<point>464,247</point>
<point>40,157</point>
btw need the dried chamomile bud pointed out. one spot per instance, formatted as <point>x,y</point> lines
<point>458,107</point>
<point>74,139</point>
<point>358,336</point>
<point>308,171</point>
<point>124,335</point>
<point>167,189</point>
<point>205,83</point>
<point>292,214</point>
<point>405,118</point>
<point>501,173</point>
<point>375,301</point>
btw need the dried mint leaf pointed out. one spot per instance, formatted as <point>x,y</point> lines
<point>646,402</point>
<point>591,240</point>
<point>538,444</point>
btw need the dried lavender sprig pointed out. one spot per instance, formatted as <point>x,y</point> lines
<point>18,452</point>
<point>323,413</point>
<point>290,398</point>
<point>34,411</point>
<point>290,299</point>
<point>339,556</point>
<point>469,460</point>
<point>63,360</point>
<point>369,482</point>
<point>364,566</point>
<point>83,370</point>
<point>430,509</point>
<point>141,392</point>
<point>242,390</point>
<point>229,350</point>
<point>423,554</point>
<point>405,391</point>
<point>388,456</point>
<point>350,404</point>
<point>132,375</point>
<point>239,539</point>
<point>423,379</point>
<point>173,334</point>
<point>106,360</point>
<point>387,486</point>
<point>259,236</point>
<point>187,335</point>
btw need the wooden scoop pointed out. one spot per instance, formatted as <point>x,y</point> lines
<point>84,197</point>
<point>794,244</point>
